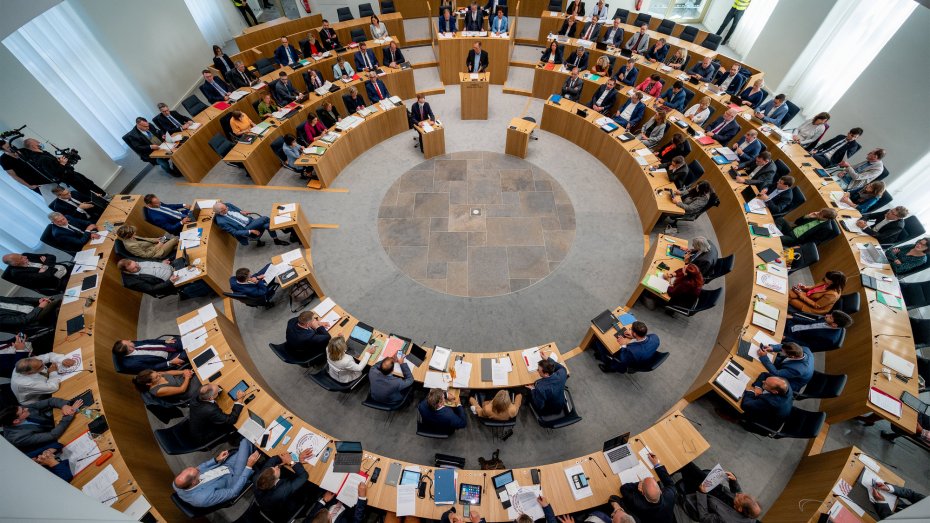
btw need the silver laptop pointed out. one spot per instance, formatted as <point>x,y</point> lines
<point>618,454</point>
<point>714,88</point>
<point>875,255</point>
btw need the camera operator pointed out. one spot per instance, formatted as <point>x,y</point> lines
<point>59,169</point>
<point>13,163</point>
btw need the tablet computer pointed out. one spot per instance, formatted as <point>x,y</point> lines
<point>409,477</point>
<point>469,494</point>
<point>241,386</point>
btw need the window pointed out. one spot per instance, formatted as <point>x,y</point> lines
<point>217,20</point>
<point>678,10</point>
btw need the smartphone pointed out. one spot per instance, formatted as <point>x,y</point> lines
<point>421,490</point>
<point>466,510</point>
<point>375,475</point>
<point>325,457</point>
<point>534,474</point>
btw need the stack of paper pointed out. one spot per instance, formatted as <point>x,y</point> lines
<point>437,380</point>
<point>186,274</point>
<point>635,473</point>
<point>235,95</point>
<point>578,482</point>
<point>770,281</point>
<point>462,374</point>
<point>101,486</point>
<point>307,439</point>
<point>80,452</point>
<point>439,361</point>
<point>210,367</point>
<point>500,371</point>
<point>733,381</point>
<point>756,206</point>
<point>656,283</point>
<point>282,218</point>
<point>323,307</point>
<point>101,236</point>
<point>533,356</point>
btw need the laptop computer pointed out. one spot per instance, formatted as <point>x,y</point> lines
<point>714,88</point>
<point>618,453</point>
<point>600,46</point>
<point>748,194</point>
<point>416,355</point>
<point>604,321</point>
<point>875,255</point>
<point>348,456</point>
<point>735,99</point>
<point>75,324</point>
<point>359,339</point>
<point>626,53</point>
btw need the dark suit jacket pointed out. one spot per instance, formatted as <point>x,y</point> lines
<point>548,396</point>
<point>761,179</point>
<point>139,143</point>
<point>166,222</point>
<point>817,338</point>
<point>284,92</point>
<point>447,27</point>
<point>302,343</point>
<point>750,151</point>
<point>72,212</point>
<point>769,410</point>
<point>43,430</point>
<point>781,202</point>
<point>328,118</point>
<point>470,61</point>
<point>637,505</point>
<point>816,234</point>
<point>282,501</point>
<point>627,77</point>
<point>571,7</point>
<point>359,62</point>
<point>161,121</point>
<point>573,60</point>
<point>31,278</point>
<point>572,92</point>
<point>735,85</point>
<point>209,422</point>
<point>241,78</point>
<point>419,115</point>
<point>387,57</point>
<point>726,133</point>
<point>15,321</point>
<point>608,100</point>
<point>887,234</point>
<point>372,94</point>
<point>310,75</point>
<point>617,40</point>
<point>474,21</point>
<point>849,149</point>
<point>148,284</point>
<point>212,94</point>
<point>353,106</point>
<point>548,51</point>
<point>659,55</point>
<point>280,55</point>
<point>329,39</point>
<point>388,388</point>
<point>569,30</point>
<point>223,64</point>
<point>706,261</point>
<point>444,419</point>
<point>137,364</point>
<point>69,239</point>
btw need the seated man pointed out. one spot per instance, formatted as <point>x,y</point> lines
<point>591,30</point>
<point>36,378</point>
<point>217,480</point>
<point>768,401</point>
<point>170,121</point>
<point>547,394</point>
<point>321,513</point>
<point>214,89</point>
<point>474,18</point>
<point>144,139</point>
<point>677,171</point>
<point>639,42</point>
<point>702,71</point>
<point>881,504</point>
<point>328,37</point>
<point>647,500</point>
<point>821,333</point>
<point>779,199</point>
<point>74,205</point>
<point>447,23</point>
<point>573,85</point>
<point>243,228</point>
<point>36,271</point>
<point>838,148</point>
<point>28,314</point>
<point>724,128</point>
<point>812,227</point>
<point>385,386</point>
<point>306,336</point>
<point>284,91</point>
<point>253,285</point>
<point>279,495</point>
<point>578,59</point>
<point>773,111</point>
<point>376,89</point>
<point>604,97</point>
<point>723,503</point>
<point>28,428</point>
<point>657,52</point>
<point>637,346</point>
<point>730,81</point>
<point>631,112</point>
<point>437,415</point>
<point>207,421</point>
<point>241,77</point>
<point>158,278</point>
<point>674,97</point>
<point>169,216</point>
<point>365,59</point>
<point>748,147</point>
<point>286,54</point>
<point>758,172</point>
<point>884,226</point>
<point>628,73</point>
<point>793,362</point>
<point>856,177</point>
<point>614,34</point>
<point>72,234</point>
<point>48,457</point>
<point>139,355</point>
<point>150,248</point>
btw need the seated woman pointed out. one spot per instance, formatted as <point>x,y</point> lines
<point>677,59</point>
<point>654,130</point>
<point>240,123</point>
<point>343,367</point>
<point>499,408</point>
<point>677,147</point>
<point>820,298</point>
<point>267,106</point>
<point>907,257</point>
<point>686,285</point>
<point>865,198</point>
<point>651,86</point>
<point>342,69</point>
<point>693,200</point>
<point>602,66</point>
<point>313,128</point>
<point>552,54</point>
<point>752,95</point>
<point>377,27</point>
<point>292,152</point>
<point>311,47</point>
<point>699,112</point>
<point>167,387</point>
<point>150,248</point>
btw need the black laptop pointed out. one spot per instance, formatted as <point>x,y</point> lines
<point>75,324</point>
<point>416,355</point>
<point>625,52</point>
<point>359,338</point>
<point>600,46</point>
<point>748,194</point>
<point>604,321</point>
<point>348,456</point>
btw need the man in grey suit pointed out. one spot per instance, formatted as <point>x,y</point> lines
<point>759,172</point>
<point>29,428</point>
<point>217,480</point>
<point>573,85</point>
<point>725,503</point>
<point>639,42</point>
<point>387,388</point>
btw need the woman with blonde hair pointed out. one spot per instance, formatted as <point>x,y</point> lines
<point>343,367</point>
<point>498,408</point>
<point>149,248</point>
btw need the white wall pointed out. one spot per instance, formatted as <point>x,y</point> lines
<point>715,13</point>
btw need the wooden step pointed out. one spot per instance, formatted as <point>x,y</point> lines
<point>416,43</point>
<point>514,90</point>
<point>434,90</point>
<point>424,65</point>
<point>521,63</point>
<point>526,41</point>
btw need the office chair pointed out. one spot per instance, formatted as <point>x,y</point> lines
<point>51,241</point>
<point>694,168</point>
<point>568,416</point>
<point>713,202</point>
<point>807,256</point>
<point>706,300</point>
<point>711,41</point>
<point>912,229</point>
<point>883,175</point>
<point>622,14</point>
<point>227,128</point>
<point>47,291</point>
<point>249,301</point>
<point>722,267</point>
<point>120,249</point>
<point>199,512</point>
<point>797,199</point>
<point>265,66</point>
<point>822,386</point>
<point>531,120</point>
<point>914,270</point>
<point>688,34</point>
<point>118,362</point>
<point>280,350</point>
<point>255,513</point>
<point>915,294</point>
<point>358,35</point>
<point>555,6</point>
<point>499,427</point>
<point>323,379</point>
<point>365,11</point>
<point>882,202</point>
<point>387,7</point>
<point>689,95</point>
<point>800,424</point>
<point>658,358</point>
<point>428,431</point>
<point>193,105</point>
<point>793,111</point>
<point>372,403</point>
<point>344,14</point>
<point>666,27</point>
<point>178,439</point>
<point>642,18</point>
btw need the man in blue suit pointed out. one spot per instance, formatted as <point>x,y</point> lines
<point>214,89</point>
<point>614,34</point>
<point>657,52</point>
<point>793,362</point>
<point>674,97</point>
<point>253,285</point>
<point>71,234</point>
<point>779,198</point>
<point>547,395</point>
<point>217,480</point>
<point>243,228</point>
<point>365,59</point>
<point>376,89</point>
<point>435,414</point>
<point>637,346</point>
<point>579,60</point>
<point>820,333</point>
<point>447,22</point>
<point>768,401</point>
<point>421,110</point>
<point>159,354</point>
<point>773,111</point>
<point>749,147</point>
<point>730,81</point>
<point>631,113</point>
<point>837,149</point>
<point>628,73</point>
<point>285,54</point>
<point>306,336</point>
<point>387,388</point>
<point>724,128</point>
<point>169,216</point>
<point>604,97</point>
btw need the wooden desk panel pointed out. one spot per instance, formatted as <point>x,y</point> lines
<point>394,22</point>
<point>283,26</point>
<point>454,51</point>
<point>433,142</point>
<point>518,137</point>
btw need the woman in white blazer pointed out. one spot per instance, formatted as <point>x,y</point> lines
<point>343,367</point>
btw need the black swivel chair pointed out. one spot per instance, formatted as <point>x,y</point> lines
<point>882,202</point>
<point>695,169</point>
<point>365,11</point>
<point>193,105</point>
<point>920,329</point>
<point>568,416</point>
<point>822,386</point>
<point>713,202</point>
<point>722,267</point>
<point>800,424</point>
<point>49,291</point>
<point>883,175</point>
<point>323,379</point>
<point>265,66</point>
<point>688,34</point>
<point>344,14</point>
<point>555,6</point>
<point>706,300</point>
<point>221,145</point>
<point>280,350</point>
<point>372,403</point>
<point>781,169</point>
<point>915,294</point>
<point>50,240</point>
<point>807,256</point>
<point>912,229</point>
<point>387,7</point>
<point>848,303</point>
<point>689,95</point>
<point>828,348</point>
<point>226,127</point>
<point>666,27</point>
<point>249,301</point>
<point>642,18</point>
<point>200,512</point>
<point>358,35</point>
<point>622,14</point>
<point>797,199</point>
<point>178,439</point>
<point>793,111</point>
<point>711,41</point>
<point>653,363</point>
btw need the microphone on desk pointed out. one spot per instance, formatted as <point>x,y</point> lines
<point>689,419</point>
<point>590,458</point>
<point>131,491</point>
<point>99,452</point>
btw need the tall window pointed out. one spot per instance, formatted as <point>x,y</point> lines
<point>27,216</point>
<point>64,56</point>
<point>848,40</point>
<point>680,11</point>
<point>750,25</point>
<point>903,187</point>
<point>218,20</point>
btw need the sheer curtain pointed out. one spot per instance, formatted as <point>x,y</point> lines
<point>64,56</point>
<point>903,188</point>
<point>848,40</point>
<point>751,24</point>
<point>218,20</point>
<point>21,227</point>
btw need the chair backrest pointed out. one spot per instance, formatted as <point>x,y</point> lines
<point>365,11</point>
<point>711,41</point>
<point>793,111</point>
<point>802,424</point>
<point>920,329</point>
<point>642,18</point>
<point>623,14</point>
<point>653,363</point>
<point>781,168</point>
<point>428,430</point>
<point>555,6</point>
<point>280,350</point>
<point>220,145</point>
<point>707,299</point>
<point>883,175</point>
<point>688,34</point>
<point>695,167</point>
<point>224,124</point>
<point>265,66</point>
<point>666,27</point>
<point>387,7</point>
<point>689,94</point>
<point>50,240</point>
<point>358,35</point>
<point>344,14</point>
<point>912,229</point>
<point>245,299</point>
<point>193,105</point>
<point>883,200</point>
<point>723,266</point>
<point>809,256</point>
<point>277,146</point>
<point>823,386</point>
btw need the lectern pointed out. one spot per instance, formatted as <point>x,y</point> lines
<point>474,95</point>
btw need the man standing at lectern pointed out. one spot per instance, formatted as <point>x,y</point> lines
<point>477,61</point>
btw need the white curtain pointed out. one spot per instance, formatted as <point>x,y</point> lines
<point>848,40</point>
<point>64,56</point>
<point>21,227</point>
<point>750,25</point>
<point>909,190</point>
<point>219,20</point>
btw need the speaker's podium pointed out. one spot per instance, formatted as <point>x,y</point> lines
<point>474,88</point>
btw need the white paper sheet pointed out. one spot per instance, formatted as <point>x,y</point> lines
<point>349,493</point>
<point>499,374</point>
<point>324,306</point>
<point>101,486</point>
<point>582,492</point>
<point>138,508</point>
<point>252,431</point>
<point>406,500</point>
<point>295,255</point>
<point>288,207</point>
<point>206,313</point>
<point>715,477</point>
<point>867,478</point>
<point>635,473</point>
<point>72,294</point>
<point>526,501</point>
<point>102,236</point>
<point>282,218</point>
<point>462,374</point>
<point>194,339</point>
<point>211,367</point>
<point>80,452</point>
<point>437,380</point>
<point>307,439</point>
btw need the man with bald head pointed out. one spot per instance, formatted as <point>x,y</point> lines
<point>217,480</point>
<point>37,378</point>
<point>768,401</point>
<point>207,419</point>
<point>243,228</point>
<point>648,500</point>
<point>57,168</point>
<point>725,503</point>
<point>39,272</point>
<point>723,129</point>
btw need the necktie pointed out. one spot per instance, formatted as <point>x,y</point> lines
<point>377,89</point>
<point>587,34</point>
<point>218,88</point>
<point>75,229</point>
<point>316,80</point>
<point>636,43</point>
<point>421,111</point>
<point>717,129</point>
<point>367,63</point>
<point>152,138</point>
<point>290,59</point>
<point>173,121</point>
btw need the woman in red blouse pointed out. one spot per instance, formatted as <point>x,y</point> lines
<point>686,286</point>
<point>651,86</point>
<point>313,128</point>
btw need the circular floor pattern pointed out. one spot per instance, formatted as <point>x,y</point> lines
<point>476,228</point>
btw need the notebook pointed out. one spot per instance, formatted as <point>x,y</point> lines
<point>444,487</point>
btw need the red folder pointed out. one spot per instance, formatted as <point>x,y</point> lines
<point>705,140</point>
<point>221,106</point>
